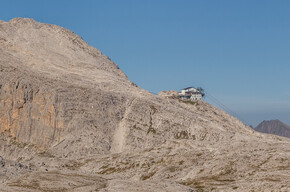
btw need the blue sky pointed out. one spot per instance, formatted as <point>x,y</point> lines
<point>238,51</point>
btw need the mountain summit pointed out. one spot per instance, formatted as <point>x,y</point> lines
<point>71,120</point>
<point>275,127</point>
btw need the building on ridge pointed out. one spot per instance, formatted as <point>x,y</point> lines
<point>191,93</point>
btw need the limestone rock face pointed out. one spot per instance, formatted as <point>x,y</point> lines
<point>53,83</point>
<point>68,112</point>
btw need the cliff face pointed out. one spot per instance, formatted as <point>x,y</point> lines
<point>275,127</point>
<point>67,111</point>
<point>23,108</point>
<point>53,83</point>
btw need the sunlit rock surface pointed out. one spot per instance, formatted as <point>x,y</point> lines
<point>70,120</point>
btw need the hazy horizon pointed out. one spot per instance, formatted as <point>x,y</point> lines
<point>238,51</point>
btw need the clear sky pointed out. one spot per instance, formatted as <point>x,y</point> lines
<point>238,51</point>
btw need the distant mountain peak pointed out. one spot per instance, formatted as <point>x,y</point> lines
<point>275,127</point>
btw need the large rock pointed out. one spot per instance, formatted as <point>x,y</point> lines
<point>169,94</point>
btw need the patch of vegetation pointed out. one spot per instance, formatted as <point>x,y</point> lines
<point>182,135</point>
<point>109,170</point>
<point>32,184</point>
<point>207,183</point>
<point>147,176</point>
<point>199,154</point>
<point>46,154</point>
<point>73,165</point>
<point>18,144</point>
<point>199,186</point>
<point>202,170</point>
<point>181,162</point>
<point>151,130</point>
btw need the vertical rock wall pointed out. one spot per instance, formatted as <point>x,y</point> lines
<point>30,114</point>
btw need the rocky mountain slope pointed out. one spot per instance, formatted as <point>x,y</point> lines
<point>275,127</point>
<point>70,120</point>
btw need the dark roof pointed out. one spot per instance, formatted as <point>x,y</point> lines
<point>188,88</point>
<point>191,93</point>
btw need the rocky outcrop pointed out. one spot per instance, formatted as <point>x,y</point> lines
<point>67,111</point>
<point>169,94</point>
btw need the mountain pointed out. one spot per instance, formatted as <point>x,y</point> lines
<point>71,120</point>
<point>275,127</point>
